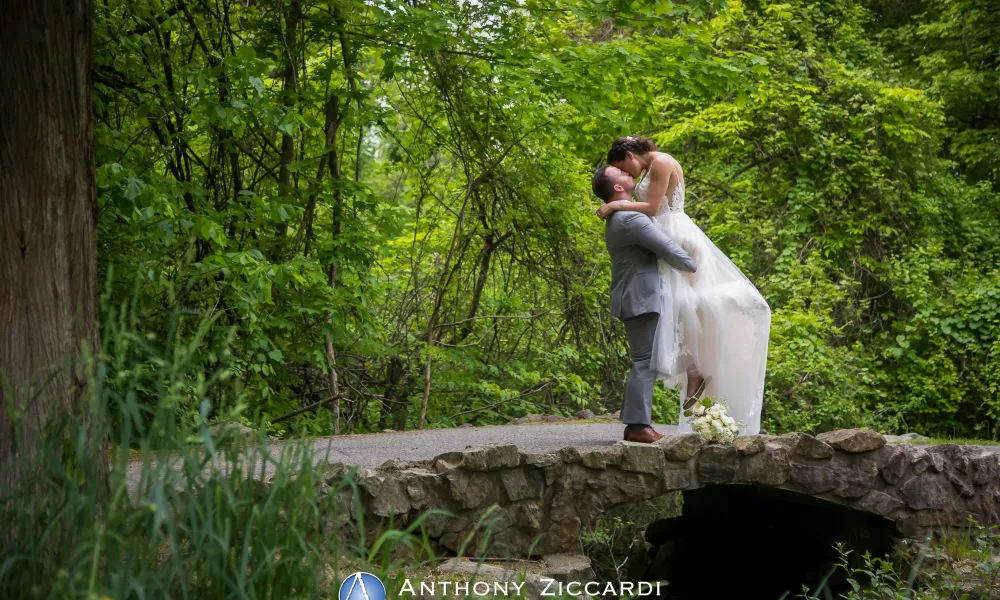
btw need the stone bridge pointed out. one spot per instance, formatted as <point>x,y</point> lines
<point>539,503</point>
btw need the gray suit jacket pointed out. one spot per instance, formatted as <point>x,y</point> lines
<point>636,244</point>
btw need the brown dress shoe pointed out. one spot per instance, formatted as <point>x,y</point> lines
<point>646,435</point>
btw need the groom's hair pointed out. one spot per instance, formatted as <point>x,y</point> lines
<point>602,184</point>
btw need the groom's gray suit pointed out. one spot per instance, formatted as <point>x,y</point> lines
<point>636,245</point>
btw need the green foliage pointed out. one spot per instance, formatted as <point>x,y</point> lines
<point>399,192</point>
<point>828,185</point>
<point>191,516</point>
<point>955,568</point>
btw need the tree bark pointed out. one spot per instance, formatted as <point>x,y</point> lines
<point>48,210</point>
<point>333,118</point>
<point>490,244</point>
<point>290,41</point>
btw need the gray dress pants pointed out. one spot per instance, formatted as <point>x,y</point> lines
<point>637,406</point>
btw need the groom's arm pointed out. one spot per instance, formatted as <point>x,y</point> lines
<point>641,230</point>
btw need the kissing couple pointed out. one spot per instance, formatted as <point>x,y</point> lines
<point>692,318</point>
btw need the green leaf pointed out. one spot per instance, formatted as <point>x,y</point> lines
<point>133,188</point>
<point>258,85</point>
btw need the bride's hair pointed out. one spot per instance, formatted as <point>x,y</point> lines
<point>635,145</point>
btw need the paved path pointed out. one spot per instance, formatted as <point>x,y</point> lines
<point>373,449</point>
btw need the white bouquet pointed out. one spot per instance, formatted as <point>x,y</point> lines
<point>709,418</point>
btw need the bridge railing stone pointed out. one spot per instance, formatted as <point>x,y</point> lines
<point>537,503</point>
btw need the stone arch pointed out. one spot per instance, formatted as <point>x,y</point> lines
<point>538,503</point>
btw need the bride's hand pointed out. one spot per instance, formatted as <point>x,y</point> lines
<point>607,208</point>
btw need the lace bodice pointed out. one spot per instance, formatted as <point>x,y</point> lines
<point>675,203</point>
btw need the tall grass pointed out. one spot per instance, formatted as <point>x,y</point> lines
<point>182,514</point>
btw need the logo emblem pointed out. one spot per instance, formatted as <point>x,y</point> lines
<point>362,586</point>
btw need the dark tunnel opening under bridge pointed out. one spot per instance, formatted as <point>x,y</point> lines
<point>753,543</point>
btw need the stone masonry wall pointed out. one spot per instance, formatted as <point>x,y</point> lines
<point>538,503</point>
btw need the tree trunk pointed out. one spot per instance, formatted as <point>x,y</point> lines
<point>291,88</point>
<point>333,118</point>
<point>489,246</point>
<point>395,372</point>
<point>48,267</point>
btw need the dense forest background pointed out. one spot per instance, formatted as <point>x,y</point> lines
<point>383,206</point>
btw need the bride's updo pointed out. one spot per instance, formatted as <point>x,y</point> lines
<point>635,145</point>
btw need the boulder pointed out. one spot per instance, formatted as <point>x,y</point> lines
<point>955,456</point>
<point>518,486</point>
<point>769,467</point>
<point>926,491</point>
<point>471,571</point>
<point>816,479</point>
<point>985,469</point>
<point>676,479</point>
<point>543,460</point>
<point>424,488</point>
<point>585,413</point>
<point>807,446</point>
<point>717,463</point>
<point>923,460</point>
<point>568,567</point>
<point>853,441</point>
<point>396,464</point>
<point>390,498</point>
<point>641,458</point>
<point>562,532</point>
<point>570,455</point>
<point>961,485</point>
<point>859,477</point>
<point>333,473</point>
<point>681,447</point>
<point>490,458</point>
<point>893,464</point>
<point>472,489</point>
<point>749,445</point>
<point>600,458</point>
<point>942,518</point>
<point>879,503</point>
<point>447,461</point>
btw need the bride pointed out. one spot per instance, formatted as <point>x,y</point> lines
<point>712,340</point>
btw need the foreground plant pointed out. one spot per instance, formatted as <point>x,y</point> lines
<point>184,513</point>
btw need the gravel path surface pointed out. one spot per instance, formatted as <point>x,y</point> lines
<point>373,449</point>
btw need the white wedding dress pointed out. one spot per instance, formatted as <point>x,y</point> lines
<point>715,321</point>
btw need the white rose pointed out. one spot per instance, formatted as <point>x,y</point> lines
<point>728,420</point>
<point>698,409</point>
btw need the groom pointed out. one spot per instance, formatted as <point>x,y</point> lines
<point>635,245</point>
